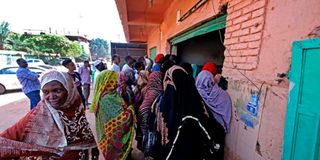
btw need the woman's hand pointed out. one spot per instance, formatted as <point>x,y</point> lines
<point>217,78</point>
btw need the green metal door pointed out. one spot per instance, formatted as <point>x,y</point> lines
<point>153,53</point>
<point>301,138</point>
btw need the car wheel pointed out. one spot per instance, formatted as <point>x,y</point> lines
<point>2,89</point>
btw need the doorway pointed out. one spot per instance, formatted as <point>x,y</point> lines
<point>202,49</point>
<point>302,129</point>
<point>201,44</point>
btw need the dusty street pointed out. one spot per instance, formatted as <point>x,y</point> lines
<point>14,105</point>
<point>11,96</point>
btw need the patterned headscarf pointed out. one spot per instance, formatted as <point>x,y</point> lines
<point>70,117</point>
<point>46,128</point>
<point>114,118</point>
<point>101,86</point>
<point>65,80</point>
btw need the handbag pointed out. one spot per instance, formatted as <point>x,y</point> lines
<point>151,142</point>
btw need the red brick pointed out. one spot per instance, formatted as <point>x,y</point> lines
<point>234,15</point>
<point>252,59</point>
<point>243,53</point>
<point>252,22</point>
<point>233,28</point>
<point>243,4</point>
<point>256,28</point>
<point>227,52</point>
<point>258,13</point>
<point>240,32</point>
<point>259,4</point>
<point>230,9</point>
<point>254,6</point>
<point>230,72</point>
<point>246,66</point>
<point>248,52</point>
<point>234,2</point>
<point>251,37</point>
<point>239,46</point>
<point>229,23</point>
<point>231,41</point>
<point>248,9</point>
<point>242,18</point>
<point>239,59</point>
<point>228,65</point>
<point>227,35</point>
<point>254,44</point>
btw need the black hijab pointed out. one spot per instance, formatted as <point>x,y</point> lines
<point>181,99</point>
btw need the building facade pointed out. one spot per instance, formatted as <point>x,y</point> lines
<point>253,41</point>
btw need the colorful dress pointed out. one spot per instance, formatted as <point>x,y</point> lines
<point>114,119</point>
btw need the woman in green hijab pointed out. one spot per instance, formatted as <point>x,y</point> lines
<point>114,116</point>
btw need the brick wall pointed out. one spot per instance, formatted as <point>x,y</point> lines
<point>243,37</point>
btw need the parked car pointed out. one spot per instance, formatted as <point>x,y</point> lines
<point>9,80</point>
<point>45,67</point>
<point>35,62</point>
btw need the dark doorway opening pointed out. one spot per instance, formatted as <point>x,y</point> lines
<point>202,49</point>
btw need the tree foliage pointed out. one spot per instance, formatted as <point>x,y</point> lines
<point>82,57</point>
<point>44,43</point>
<point>99,47</point>
<point>4,32</point>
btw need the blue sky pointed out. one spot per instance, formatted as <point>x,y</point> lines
<point>94,18</point>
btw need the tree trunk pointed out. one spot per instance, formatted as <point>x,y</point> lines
<point>1,46</point>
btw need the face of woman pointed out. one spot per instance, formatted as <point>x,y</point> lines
<point>55,94</point>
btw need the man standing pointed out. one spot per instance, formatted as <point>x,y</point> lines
<point>115,63</point>
<point>85,72</point>
<point>29,81</point>
<point>99,68</point>
<point>76,77</point>
<point>129,63</point>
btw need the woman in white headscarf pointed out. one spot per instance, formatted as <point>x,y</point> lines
<point>57,127</point>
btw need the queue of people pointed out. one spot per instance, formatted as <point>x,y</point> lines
<point>171,113</point>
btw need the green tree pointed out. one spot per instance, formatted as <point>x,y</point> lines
<point>4,32</point>
<point>17,42</point>
<point>48,44</point>
<point>44,43</point>
<point>82,57</point>
<point>99,47</point>
<point>74,49</point>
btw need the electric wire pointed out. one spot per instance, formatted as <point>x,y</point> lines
<point>228,52</point>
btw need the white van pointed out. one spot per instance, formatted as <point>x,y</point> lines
<point>10,57</point>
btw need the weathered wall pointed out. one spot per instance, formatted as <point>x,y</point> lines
<point>243,37</point>
<point>170,27</point>
<point>154,40</point>
<point>258,38</point>
<point>283,22</point>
